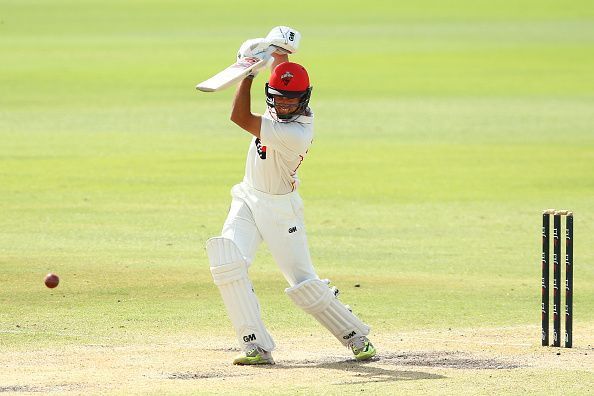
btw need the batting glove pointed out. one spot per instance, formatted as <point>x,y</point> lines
<point>253,48</point>
<point>286,39</point>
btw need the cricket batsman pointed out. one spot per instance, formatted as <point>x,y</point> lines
<point>266,207</point>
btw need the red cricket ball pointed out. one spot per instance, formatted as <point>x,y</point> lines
<point>51,280</point>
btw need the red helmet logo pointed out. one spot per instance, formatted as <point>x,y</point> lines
<point>286,78</point>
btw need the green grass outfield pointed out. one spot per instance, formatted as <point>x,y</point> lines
<point>443,129</point>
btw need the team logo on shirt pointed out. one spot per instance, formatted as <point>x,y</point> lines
<point>286,78</point>
<point>261,149</point>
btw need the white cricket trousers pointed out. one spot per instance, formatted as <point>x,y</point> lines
<point>255,216</point>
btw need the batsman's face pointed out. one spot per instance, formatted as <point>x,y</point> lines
<point>285,106</point>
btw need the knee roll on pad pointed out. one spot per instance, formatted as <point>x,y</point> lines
<point>317,299</point>
<point>229,272</point>
<point>222,251</point>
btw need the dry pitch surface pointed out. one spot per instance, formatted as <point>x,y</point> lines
<point>485,361</point>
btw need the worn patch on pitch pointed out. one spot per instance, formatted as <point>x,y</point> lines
<point>224,349</point>
<point>36,389</point>
<point>19,388</point>
<point>455,360</point>
<point>188,375</point>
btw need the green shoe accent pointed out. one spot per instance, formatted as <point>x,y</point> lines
<point>253,355</point>
<point>363,349</point>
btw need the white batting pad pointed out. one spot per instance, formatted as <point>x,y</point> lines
<point>316,298</point>
<point>229,272</point>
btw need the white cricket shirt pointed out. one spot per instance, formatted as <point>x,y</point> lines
<point>272,161</point>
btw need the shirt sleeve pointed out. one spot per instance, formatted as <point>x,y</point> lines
<point>284,137</point>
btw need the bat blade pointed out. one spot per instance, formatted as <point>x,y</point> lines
<point>231,75</point>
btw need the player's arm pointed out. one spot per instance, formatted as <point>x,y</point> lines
<point>278,59</point>
<point>241,114</point>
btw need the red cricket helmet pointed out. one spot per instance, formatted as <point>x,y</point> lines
<point>289,80</point>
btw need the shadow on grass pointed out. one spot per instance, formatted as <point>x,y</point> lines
<point>363,372</point>
<point>369,371</point>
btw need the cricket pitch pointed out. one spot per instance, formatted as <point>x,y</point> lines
<point>501,360</point>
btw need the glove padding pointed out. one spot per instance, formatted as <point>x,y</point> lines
<point>285,39</point>
<point>253,48</point>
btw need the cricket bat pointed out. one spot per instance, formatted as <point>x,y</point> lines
<point>235,73</point>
